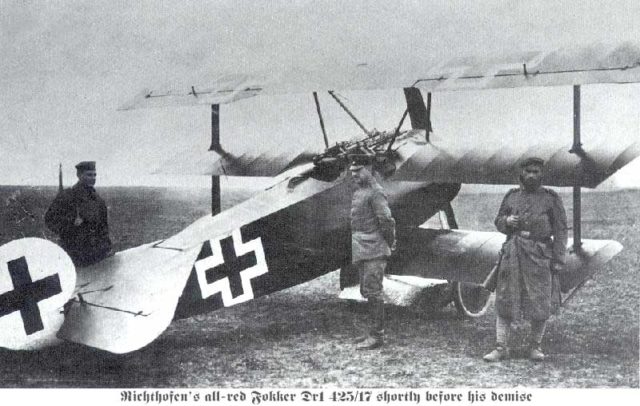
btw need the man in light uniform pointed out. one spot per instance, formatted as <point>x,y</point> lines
<point>79,217</point>
<point>372,240</point>
<point>534,220</point>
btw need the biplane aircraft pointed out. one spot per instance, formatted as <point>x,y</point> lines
<point>297,228</point>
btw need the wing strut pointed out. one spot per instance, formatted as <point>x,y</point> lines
<point>349,112</point>
<point>60,187</point>
<point>577,149</point>
<point>324,133</point>
<point>215,146</point>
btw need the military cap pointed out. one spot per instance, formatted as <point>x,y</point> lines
<point>532,161</point>
<point>359,161</point>
<point>86,166</point>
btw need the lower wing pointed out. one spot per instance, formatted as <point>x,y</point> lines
<point>469,256</point>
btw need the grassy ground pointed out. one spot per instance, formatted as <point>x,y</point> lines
<point>300,337</point>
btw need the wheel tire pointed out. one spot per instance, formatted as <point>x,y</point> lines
<point>471,300</point>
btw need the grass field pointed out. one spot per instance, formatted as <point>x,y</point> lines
<point>301,337</point>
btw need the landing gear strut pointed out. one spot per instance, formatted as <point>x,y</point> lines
<point>471,300</point>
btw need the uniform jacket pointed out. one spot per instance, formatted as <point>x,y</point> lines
<point>372,226</point>
<point>89,242</point>
<point>524,276</point>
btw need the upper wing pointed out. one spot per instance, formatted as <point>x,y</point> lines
<point>448,161</point>
<point>596,63</point>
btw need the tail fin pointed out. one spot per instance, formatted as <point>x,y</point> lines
<point>37,278</point>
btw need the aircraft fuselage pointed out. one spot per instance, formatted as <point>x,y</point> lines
<point>296,244</point>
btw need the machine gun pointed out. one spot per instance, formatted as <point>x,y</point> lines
<point>377,145</point>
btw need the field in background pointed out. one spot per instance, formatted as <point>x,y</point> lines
<point>301,337</point>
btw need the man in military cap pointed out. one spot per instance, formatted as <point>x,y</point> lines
<point>534,220</point>
<point>79,217</point>
<point>372,240</point>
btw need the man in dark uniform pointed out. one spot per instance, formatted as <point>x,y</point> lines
<point>79,217</point>
<point>534,220</point>
<point>372,240</point>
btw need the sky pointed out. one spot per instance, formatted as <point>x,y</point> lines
<point>67,66</point>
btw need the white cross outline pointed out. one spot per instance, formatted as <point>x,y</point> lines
<point>223,286</point>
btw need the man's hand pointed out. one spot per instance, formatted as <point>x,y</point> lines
<point>393,246</point>
<point>513,221</point>
<point>78,220</point>
<point>556,268</point>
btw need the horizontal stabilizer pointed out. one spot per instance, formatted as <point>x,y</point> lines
<point>445,161</point>
<point>126,301</point>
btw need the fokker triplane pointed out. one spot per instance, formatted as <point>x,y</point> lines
<point>297,228</point>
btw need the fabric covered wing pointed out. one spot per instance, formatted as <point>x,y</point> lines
<point>596,63</point>
<point>448,161</point>
<point>469,256</point>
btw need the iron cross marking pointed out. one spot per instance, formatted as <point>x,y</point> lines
<point>231,266</point>
<point>26,294</point>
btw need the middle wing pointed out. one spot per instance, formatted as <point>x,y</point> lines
<point>442,162</point>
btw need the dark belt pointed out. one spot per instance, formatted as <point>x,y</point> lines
<point>527,235</point>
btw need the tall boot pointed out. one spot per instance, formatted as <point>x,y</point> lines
<point>376,330</point>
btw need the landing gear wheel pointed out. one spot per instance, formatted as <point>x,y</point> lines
<point>471,300</point>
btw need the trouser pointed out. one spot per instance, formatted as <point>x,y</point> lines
<point>503,327</point>
<point>371,274</point>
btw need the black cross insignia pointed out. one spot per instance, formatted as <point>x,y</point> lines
<point>231,267</point>
<point>26,294</point>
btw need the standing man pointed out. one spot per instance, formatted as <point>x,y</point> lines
<point>79,217</point>
<point>372,240</point>
<point>534,220</point>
